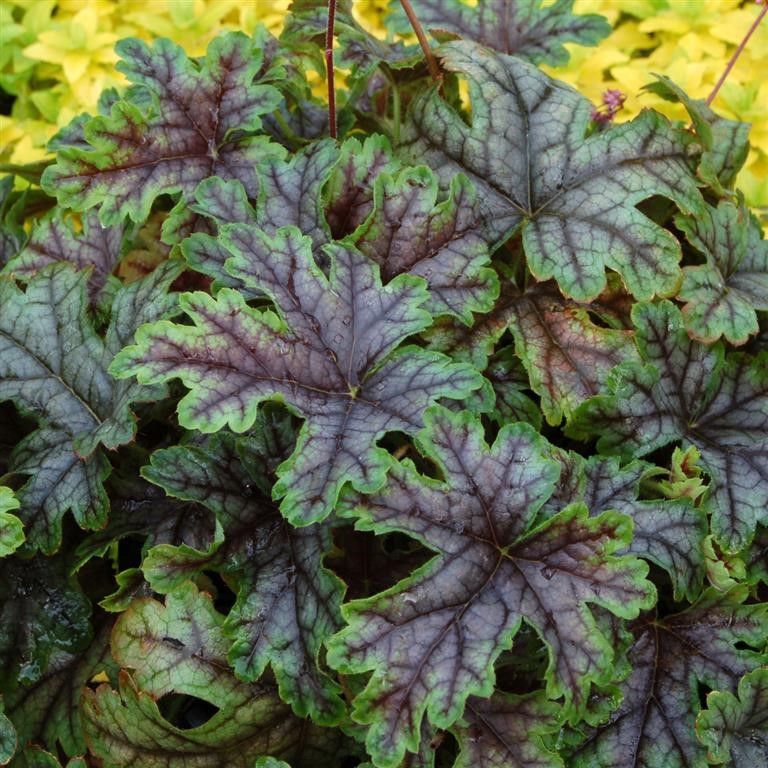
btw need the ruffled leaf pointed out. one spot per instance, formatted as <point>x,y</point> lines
<point>11,528</point>
<point>573,197</point>
<point>432,639</point>
<point>180,648</point>
<point>328,354</point>
<point>735,728</point>
<point>704,644</point>
<point>287,603</point>
<point>691,393</point>
<point>182,122</point>
<point>522,28</point>
<point>723,295</point>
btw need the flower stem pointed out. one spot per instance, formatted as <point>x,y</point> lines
<point>737,53</point>
<point>434,70</point>
<point>329,68</point>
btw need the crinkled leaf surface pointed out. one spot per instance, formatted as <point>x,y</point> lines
<point>183,122</point>
<point>669,533</point>
<point>54,240</point>
<point>522,28</point>
<point>687,392</point>
<point>180,647</point>
<point>8,738</point>
<point>506,730</point>
<point>735,728</point>
<point>288,603</point>
<point>11,528</point>
<point>53,365</point>
<point>408,231</point>
<point>573,197</point>
<point>723,295</point>
<point>654,726</point>
<point>327,354</point>
<point>47,711</point>
<point>432,639</point>
<point>42,609</point>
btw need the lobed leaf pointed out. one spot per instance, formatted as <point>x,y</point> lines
<point>735,728</point>
<point>11,528</point>
<point>528,29</point>
<point>723,295</point>
<point>572,196</point>
<point>704,643</point>
<point>287,603</point>
<point>328,354</point>
<point>687,392</point>
<point>181,123</point>
<point>432,639</point>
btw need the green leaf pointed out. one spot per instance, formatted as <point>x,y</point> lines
<point>735,728</point>
<point>409,232</point>
<point>53,365</point>
<point>182,122</point>
<point>655,724</point>
<point>8,738</point>
<point>507,730</point>
<point>287,602</point>
<point>668,533</point>
<point>431,640</point>
<point>180,648</point>
<point>12,233</point>
<point>522,28</point>
<point>723,295</point>
<point>573,197</point>
<point>54,239</point>
<point>328,354</point>
<point>47,711</point>
<point>687,392</point>
<point>11,528</point>
<point>42,609</point>
<point>726,142</point>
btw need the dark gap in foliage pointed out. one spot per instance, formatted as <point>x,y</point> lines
<point>666,605</point>
<point>597,319</point>
<point>521,669</point>
<point>185,712</point>
<point>368,563</point>
<point>661,457</point>
<point>402,446</point>
<point>557,437</point>
<point>129,552</point>
<point>189,280</point>
<point>15,427</point>
<point>446,749</point>
<point>96,579</point>
<point>703,689</point>
<point>657,208</point>
<point>6,102</point>
<point>349,761</point>
<point>223,597</point>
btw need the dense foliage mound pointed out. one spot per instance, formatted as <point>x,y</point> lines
<point>440,444</point>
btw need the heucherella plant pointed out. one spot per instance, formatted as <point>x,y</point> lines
<point>424,429</point>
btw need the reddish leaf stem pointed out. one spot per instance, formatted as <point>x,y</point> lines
<point>434,70</point>
<point>737,52</point>
<point>329,68</point>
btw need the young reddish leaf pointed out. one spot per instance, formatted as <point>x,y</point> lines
<point>180,124</point>
<point>573,197</point>
<point>735,728</point>
<point>287,603</point>
<point>407,231</point>
<point>724,293</point>
<point>507,730</point>
<point>669,533</point>
<point>654,725</point>
<point>180,648</point>
<point>431,640</point>
<point>522,28</point>
<point>328,355</point>
<point>53,364</point>
<point>54,240</point>
<point>688,392</point>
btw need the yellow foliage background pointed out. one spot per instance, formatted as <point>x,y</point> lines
<point>57,57</point>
